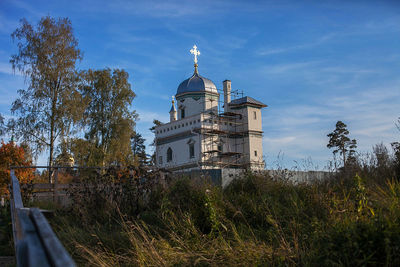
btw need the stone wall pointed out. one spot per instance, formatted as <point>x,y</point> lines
<point>299,176</point>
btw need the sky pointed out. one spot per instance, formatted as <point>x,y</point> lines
<point>312,62</point>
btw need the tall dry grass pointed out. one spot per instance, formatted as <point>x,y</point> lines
<point>254,221</point>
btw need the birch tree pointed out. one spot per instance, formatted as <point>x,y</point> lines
<point>47,54</point>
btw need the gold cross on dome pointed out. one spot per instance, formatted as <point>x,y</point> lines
<point>195,52</point>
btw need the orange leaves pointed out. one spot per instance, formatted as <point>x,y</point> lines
<point>13,155</point>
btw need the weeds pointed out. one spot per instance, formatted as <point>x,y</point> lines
<point>6,239</point>
<point>256,220</point>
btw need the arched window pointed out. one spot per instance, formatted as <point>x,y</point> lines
<point>169,154</point>
<point>191,147</point>
<point>191,150</point>
<point>182,113</point>
<point>219,148</point>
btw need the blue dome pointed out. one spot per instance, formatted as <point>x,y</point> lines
<point>196,83</point>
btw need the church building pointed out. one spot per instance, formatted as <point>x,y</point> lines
<point>208,131</point>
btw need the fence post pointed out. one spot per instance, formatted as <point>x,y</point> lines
<point>35,243</point>
<point>55,186</point>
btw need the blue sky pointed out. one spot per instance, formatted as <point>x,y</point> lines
<point>313,63</point>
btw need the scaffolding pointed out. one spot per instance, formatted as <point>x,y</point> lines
<point>222,136</point>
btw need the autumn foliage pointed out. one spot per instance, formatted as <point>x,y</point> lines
<point>13,155</point>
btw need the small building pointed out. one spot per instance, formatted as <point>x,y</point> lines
<point>207,133</point>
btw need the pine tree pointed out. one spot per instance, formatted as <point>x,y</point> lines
<point>152,129</point>
<point>2,126</point>
<point>340,142</point>
<point>138,148</point>
<point>396,149</point>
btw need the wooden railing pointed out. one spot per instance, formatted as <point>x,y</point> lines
<point>34,241</point>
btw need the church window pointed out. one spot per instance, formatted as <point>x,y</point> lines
<point>182,113</point>
<point>186,124</point>
<point>191,150</point>
<point>190,123</point>
<point>255,115</point>
<point>175,127</point>
<point>160,160</point>
<point>255,153</point>
<point>169,154</point>
<point>219,148</point>
<point>198,120</point>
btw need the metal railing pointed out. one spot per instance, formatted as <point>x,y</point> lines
<point>35,242</point>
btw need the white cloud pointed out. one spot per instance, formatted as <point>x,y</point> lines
<point>154,8</point>
<point>28,8</point>
<point>146,116</point>
<point>7,69</point>
<point>300,130</point>
<point>287,67</point>
<point>273,51</point>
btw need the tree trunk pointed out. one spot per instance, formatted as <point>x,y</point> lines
<point>51,150</point>
<point>344,156</point>
<point>52,121</point>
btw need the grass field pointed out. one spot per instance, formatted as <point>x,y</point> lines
<point>349,219</point>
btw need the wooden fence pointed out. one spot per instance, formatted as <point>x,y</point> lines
<point>34,241</point>
<point>52,191</point>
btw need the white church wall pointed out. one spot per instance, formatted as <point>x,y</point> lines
<point>246,151</point>
<point>191,106</point>
<point>179,126</point>
<point>252,125</point>
<point>254,119</point>
<point>180,152</point>
<point>211,104</point>
<point>194,104</point>
<point>256,151</point>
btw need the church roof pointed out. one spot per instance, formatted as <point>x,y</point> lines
<point>246,100</point>
<point>196,83</point>
<point>173,109</point>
